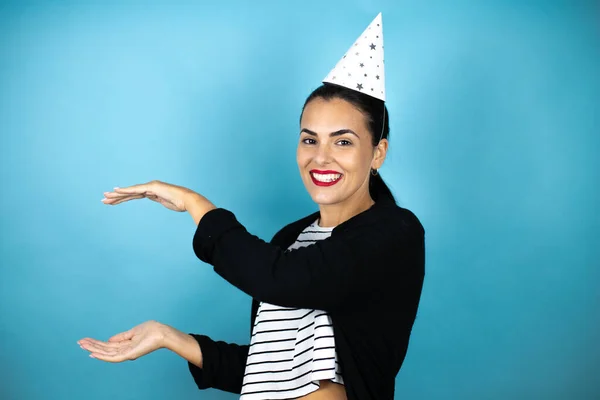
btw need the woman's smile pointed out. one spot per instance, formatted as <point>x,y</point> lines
<point>325,178</point>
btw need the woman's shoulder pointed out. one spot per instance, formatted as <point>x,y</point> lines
<point>389,219</point>
<point>395,214</point>
<point>381,217</point>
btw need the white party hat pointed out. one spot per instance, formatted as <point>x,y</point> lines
<point>361,68</point>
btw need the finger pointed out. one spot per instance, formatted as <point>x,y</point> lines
<point>121,200</point>
<point>124,199</point>
<point>97,351</point>
<point>144,187</point>
<point>88,340</point>
<point>94,347</point>
<point>121,352</point>
<point>123,196</point>
<point>100,343</point>
<point>108,201</point>
<point>114,358</point>
<point>119,337</point>
<point>114,195</point>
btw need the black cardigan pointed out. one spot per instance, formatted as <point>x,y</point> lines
<point>367,275</point>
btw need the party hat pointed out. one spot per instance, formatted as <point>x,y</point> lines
<point>361,68</point>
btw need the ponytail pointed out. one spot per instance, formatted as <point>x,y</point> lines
<point>378,189</point>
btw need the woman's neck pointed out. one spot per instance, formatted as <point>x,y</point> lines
<point>334,214</point>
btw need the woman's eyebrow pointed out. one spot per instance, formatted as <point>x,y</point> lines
<point>336,133</point>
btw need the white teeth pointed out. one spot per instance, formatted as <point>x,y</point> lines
<point>326,177</point>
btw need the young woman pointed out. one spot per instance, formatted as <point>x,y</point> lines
<point>335,293</point>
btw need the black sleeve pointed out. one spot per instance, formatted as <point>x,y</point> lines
<point>321,276</point>
<point>223,365</point>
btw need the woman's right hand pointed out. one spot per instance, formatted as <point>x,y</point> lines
<point>130,345</point>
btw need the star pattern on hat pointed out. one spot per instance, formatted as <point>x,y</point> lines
<point>364,60</point>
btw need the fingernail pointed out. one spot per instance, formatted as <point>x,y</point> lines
<point>116,187</point>
<point>92,356</point>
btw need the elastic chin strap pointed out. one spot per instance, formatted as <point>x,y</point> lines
<point>382,130</point>
<point>382,125</point>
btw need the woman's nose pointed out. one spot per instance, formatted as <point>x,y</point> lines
<point>323,155</point>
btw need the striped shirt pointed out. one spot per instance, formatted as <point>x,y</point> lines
<point>291,349</point>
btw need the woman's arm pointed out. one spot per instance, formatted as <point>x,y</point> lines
<point>183,345</point>
<point>370,259</point>
<point>173,197</point>
<point>197,206</point>
<point>223,365</point>
<point>141,340</point>
<point>213,364</point>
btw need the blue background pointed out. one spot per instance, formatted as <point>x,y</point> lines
<point>495,117</point>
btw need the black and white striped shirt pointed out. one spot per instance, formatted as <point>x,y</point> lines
<point>291,349</point>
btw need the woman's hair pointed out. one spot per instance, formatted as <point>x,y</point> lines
<point>377,119</point>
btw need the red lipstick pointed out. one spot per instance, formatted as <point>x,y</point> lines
<point>320,183</point>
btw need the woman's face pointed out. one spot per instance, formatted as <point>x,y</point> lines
<point>335,151</point>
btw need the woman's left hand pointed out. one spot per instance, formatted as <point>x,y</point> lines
<point>171,196</point>
<point>128,346</point>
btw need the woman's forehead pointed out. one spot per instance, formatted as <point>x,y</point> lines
<point>324,116</point>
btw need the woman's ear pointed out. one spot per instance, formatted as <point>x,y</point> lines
<point>380,154</point>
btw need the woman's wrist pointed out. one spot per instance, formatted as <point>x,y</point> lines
<point>197,205</point>
<point>182,344</point>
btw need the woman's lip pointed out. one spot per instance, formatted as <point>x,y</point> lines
<point>320,183</point>
<point>318,171</point>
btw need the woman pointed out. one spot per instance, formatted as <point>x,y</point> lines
<point>335,294</point>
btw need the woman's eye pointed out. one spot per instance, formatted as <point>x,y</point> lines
<point>308,141</point>
<point>344,142</point>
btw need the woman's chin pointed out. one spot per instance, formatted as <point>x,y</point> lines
<point>325,199</point>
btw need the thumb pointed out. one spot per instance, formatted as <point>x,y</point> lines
<point>119,337</point>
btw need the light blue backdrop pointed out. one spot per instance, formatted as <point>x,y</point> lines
<point>495,117</point>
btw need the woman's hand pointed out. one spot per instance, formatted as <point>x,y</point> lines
<point>171,196</point>
<point>130,345</point>
<point>144,339</point>
<point>176,198</point>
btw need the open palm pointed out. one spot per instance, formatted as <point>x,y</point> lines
<point>126,346</point>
